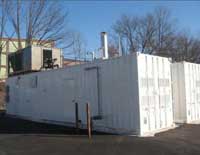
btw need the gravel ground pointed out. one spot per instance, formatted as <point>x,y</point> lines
<point>20,137</point>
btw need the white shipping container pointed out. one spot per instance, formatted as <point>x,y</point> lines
<point>131,94</point>
<point>186,92</point>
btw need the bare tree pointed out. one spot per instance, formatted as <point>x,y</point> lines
<point>117,42</point>
<point>78,48</point>
<point>165,29</point>
<point>113,50</point>
<point>145,33</point>
<point>186,48</point>
<point>152,33</point>
<point>126,29</point>
<point>3,7</point>
<point>39,20</point>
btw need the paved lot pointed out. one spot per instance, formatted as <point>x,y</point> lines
<point>21,137</point>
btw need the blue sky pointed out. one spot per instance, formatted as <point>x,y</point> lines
<point>92,17</point>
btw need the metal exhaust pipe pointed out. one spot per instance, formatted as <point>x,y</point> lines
<point>104,44</point>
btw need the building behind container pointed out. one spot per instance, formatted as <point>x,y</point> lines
<point>129,94</point>
<point>186,92</point>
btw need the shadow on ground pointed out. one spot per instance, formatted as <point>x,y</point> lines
<point>10,125</point>
<point>21,137</point>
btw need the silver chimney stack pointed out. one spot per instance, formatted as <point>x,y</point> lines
<point>104,44</point>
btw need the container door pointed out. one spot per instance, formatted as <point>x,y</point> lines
<point>195,91</point>
<point>192,101</point>
<point>151,94</point>
<point>188,91</point>
<point>91,89</point>
<point>198,91</point>
<point>143,91</point>
<point>156,92</point>
<point>167,93</point>
<point>68,97</point>
<point>161,94</point>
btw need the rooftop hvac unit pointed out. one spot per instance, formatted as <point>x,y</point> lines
<point>34,58</point>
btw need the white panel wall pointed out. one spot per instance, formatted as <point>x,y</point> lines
<point>110,86</point>
<point>155,93</point>
<point>186,90</point>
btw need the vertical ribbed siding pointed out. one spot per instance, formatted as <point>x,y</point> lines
<point>155,93</point>
<point>123,82</point>
<point>187,90</point>
<point>192,91</point>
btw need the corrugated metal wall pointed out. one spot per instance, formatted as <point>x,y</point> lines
<point>186,89</point>
<point>110,86</point>
<point>155,93</point>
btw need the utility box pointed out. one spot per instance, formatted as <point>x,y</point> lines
<point>33,58</point>
<point>128,94</point>
<point>186,92</point>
